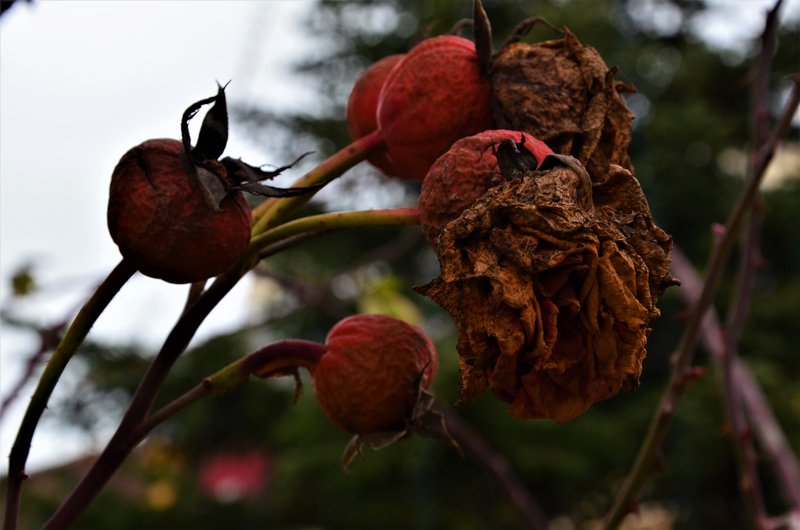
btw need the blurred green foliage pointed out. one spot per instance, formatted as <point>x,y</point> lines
<point>692,112</point>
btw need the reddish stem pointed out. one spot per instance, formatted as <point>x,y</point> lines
<point>123,442</point>
<point>274,359</point>
<point>284,355</point>
<point>56,365</point>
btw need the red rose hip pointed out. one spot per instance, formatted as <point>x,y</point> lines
<point>436,95</point>
<point>368,380</point>
<point>463,174</point>
<point>160,217</point>
<point>362,107</point>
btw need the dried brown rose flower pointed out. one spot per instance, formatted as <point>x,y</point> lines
<point>551,283</point>
<point>562,92</point>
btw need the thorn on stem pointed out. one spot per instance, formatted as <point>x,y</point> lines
<point>717,231</point>
<point>694,373</point>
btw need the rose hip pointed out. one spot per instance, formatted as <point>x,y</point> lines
<point>362,107</point>
<point>159,216</point>
<point>463,174</point>
<point>368,380</point>
<point>436,95</point>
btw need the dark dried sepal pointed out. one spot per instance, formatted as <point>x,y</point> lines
<point>213,135</point>
<point>265,190</point>
<point>245,177</point>
<point>425,420</point>
<point>523,28</point>
<point>514,159</point>
<point>298,385</point>
<point>375,441</point>
<point>483,37</point>
<point>429,422</point>
<point>213,189</point>
<point>190,113</point>
<point>241,171</point>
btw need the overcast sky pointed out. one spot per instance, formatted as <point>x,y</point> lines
<point>81,83</point>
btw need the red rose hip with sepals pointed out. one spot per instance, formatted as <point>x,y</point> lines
<point>436,95</point>
<point>159,218</point>
<point>175,211</point>
<point>370,377</point>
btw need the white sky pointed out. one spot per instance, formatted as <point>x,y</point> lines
<point>82,82</point>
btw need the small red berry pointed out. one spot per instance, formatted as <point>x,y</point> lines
<point>463,174</point>
<point>436,95</point>
<point>362,107</point>
<point>370,378</point>
<point>160,217</point>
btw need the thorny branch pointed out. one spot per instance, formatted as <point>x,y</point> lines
<point>766,429</point>
<point>498,465</point>
<point>744,448</point>
<point>665,414</point>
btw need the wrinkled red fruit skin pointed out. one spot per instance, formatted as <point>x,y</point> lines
<point>362,107</point>
<point>367,381</point>
<point>160,221</point>
<point>464,173</point>
<point>435,96</point>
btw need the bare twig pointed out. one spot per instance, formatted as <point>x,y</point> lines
<point>48,338</point>
<point>665,413</point>
<point>772,440</point>
<point>122,442</point>
<point>310,295</point>
<point>497,464</point>
<point>744,448</point>
<point>318,296</point>
<point>765,427</point>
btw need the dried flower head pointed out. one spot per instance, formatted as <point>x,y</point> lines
<point>551,283</point>
<point>562,92</point>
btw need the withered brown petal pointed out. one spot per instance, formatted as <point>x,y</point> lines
<point>562,92</point>
<point>552,294</point>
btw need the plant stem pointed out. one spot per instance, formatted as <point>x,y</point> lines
<point>733,402</point>
<point>665,413</point>
<point>68,345</point>
<point>498,465</point>
<point>123,441</point>
<point>270,360</point>
<point>270,212</point>
<point>778,453</point>
<point>334,221</point>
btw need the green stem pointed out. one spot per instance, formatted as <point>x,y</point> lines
<point>68,345</point>
<point>121,443</point>
<point>665,413</point>
<point>123,440</point>
<point>270,360</point>
<point>270,212</point>
<point>334,221</point>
